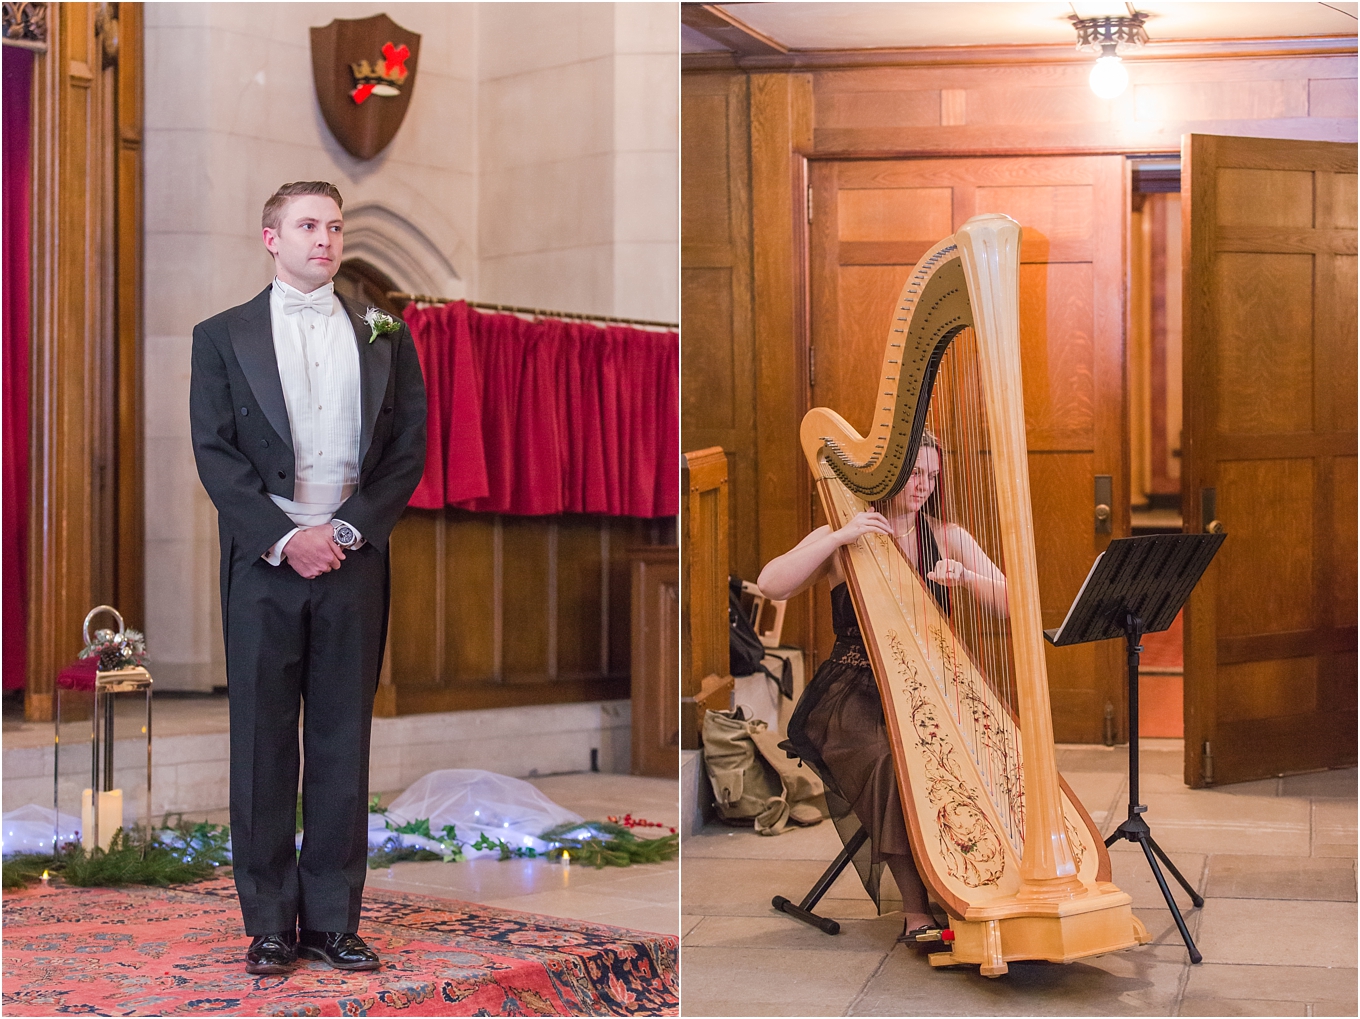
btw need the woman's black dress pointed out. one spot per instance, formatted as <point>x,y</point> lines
<point>838,728</point>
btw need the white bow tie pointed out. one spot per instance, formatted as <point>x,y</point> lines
<point>320,301</point>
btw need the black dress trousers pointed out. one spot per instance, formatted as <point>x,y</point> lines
<point>316,645</point>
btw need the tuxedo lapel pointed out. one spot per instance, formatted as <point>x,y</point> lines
<point>375,365</point>
<point>252,338</point>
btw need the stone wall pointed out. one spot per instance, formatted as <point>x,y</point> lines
<point>578,128</point>
<point>537,164</point>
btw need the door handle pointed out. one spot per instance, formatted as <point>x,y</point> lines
<point>1104,501</point>
<point>1208,509</point>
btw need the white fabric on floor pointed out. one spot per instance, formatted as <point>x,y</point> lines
<point>474,802</point>
<point>29,829</point>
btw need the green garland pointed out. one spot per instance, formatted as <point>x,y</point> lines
<point>608,845</point>
<point>179,854</point>
<point>594,843</point>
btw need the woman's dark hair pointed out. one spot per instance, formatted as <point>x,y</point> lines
<point>933,504</point>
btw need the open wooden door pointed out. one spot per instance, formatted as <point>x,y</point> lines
<point>870,222</point>
<point>1270,455</point>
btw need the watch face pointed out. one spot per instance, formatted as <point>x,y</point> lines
<point>344,534</point>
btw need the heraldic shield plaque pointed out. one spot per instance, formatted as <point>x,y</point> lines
<point>365,71</point>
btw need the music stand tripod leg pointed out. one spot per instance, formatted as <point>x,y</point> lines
<point>1134,828</point>
<point>1195,956</point>
<point>1189,889</point>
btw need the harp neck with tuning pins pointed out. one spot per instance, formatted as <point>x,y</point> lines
<point>1000,841</point>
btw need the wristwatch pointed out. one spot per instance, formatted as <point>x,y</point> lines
<point>344,535</point>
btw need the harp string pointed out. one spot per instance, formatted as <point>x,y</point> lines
<point>969,653</point>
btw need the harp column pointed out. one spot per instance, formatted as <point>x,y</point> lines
<point>990,250</point>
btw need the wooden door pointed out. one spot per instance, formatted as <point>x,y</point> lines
<point>871,221</point>
<point>1270,430</point>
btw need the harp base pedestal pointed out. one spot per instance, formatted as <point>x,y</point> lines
<point>1097,927</point>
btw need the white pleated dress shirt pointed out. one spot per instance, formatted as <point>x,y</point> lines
<point>318,360</point>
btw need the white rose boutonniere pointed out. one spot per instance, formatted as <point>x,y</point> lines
<point>380,322</point>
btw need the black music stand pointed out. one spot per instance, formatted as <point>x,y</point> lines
<point>1136,586</point>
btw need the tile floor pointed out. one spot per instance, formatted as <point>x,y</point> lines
<point>1275,861</point>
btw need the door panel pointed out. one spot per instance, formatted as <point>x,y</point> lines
<point>1270,394</point>
<point>871,221</point>
<point>1262,499</point>
<point>1057,354</point>
<point>1251,333</point>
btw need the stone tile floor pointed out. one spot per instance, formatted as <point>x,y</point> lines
<point>1274,860</point>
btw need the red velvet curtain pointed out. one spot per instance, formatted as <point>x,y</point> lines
<point>16,65</point>
<point>546,417</point>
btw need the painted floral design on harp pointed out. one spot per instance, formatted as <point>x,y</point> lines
<point>969,843</point>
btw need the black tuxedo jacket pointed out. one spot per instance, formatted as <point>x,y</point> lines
<point>243,443</point>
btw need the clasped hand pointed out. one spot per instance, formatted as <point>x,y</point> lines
<point>313,551</point>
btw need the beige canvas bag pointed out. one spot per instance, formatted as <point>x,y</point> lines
<point>753,778</point>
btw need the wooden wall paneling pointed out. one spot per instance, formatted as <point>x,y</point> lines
<point>470,588</point>
<point>129,584</point>
<point>718,384</point>
<point>528,597</point>
<point>1047,107</point>
<point>781,132</point>
<point>655,670</point>
<point>85,367</point>
<point>705,676</point>
<point>491,611</point>
<point>1269,306</point>
<point>414,623</point>
<point>1138,346</point>
<point>921,104</point>
<point>578,596</point>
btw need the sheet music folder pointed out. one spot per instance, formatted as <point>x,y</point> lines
<point>1150,576</point>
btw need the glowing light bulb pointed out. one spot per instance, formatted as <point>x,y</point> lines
<point>1109,77</point>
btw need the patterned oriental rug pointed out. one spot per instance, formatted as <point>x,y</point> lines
<point>181,951</point>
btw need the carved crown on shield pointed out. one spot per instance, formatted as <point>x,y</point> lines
<point>346,76</point>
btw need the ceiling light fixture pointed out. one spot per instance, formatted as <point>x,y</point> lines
<point>1109,77</point>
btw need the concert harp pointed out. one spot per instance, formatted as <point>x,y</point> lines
<point>1000,841</point>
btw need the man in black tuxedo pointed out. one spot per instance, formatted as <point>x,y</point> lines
<point>309,433</point>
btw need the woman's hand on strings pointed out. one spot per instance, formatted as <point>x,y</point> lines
<point>949,573</point>
<point>861,524</point>
<point>814,557</point>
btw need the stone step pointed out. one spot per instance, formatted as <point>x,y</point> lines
<point>190,770</point>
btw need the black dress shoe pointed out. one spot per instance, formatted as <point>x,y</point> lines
<point>271,953</point>
<point>340,949</point>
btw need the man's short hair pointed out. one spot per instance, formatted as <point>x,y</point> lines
<point>273,209</point>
